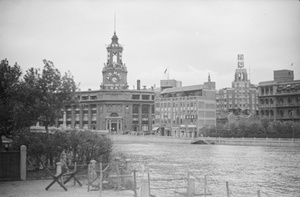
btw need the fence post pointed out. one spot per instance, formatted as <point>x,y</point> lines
<point>128,165</point>
<point>134,184</point>
<point>58,168</point>
<point>204,185</point>
<point>23,163</point>
<point>118,176</point>
<point>258,193</point>
<point>145,188</point>
<point>149,184</point>
<point>100,180</point>
<point>227,189</point>
<point>89,172</point>
<point>191,186</point>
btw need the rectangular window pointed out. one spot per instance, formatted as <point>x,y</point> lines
<point>145,97</point>
<point>135,97</point>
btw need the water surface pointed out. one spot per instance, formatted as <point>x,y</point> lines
<point>275,171</point>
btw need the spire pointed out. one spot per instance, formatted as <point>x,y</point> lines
<point>115,23</point>
<point>208,77</point>
<point>115,37</point>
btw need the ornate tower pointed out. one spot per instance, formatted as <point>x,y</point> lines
<point>114,72</point>
<point>240,72</point>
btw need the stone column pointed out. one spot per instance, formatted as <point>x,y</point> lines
<point>140,117</point>
<point>65,120</point>
<point>73,116</point>
<point>80,116</point>
<point>109,122</point>
<point>23,163</point>
<point>89,116</point>
<point>58,168</point>
<point>150,118</point>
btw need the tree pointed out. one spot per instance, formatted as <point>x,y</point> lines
<point>53,92</point>
<point>15,101</point>
<point>84,145</point>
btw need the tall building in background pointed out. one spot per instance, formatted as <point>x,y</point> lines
<point>184,110</point>
<point>169,83</point>
<point>242,96</point>
<point>280,99</point>
<point>114,107</point>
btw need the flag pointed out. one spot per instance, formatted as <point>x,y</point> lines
<point>166,71</point>
<point>292,64</point>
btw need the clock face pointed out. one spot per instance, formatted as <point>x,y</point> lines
<point>241,64</point>
<point>114,76</point>
<point>114,79</point>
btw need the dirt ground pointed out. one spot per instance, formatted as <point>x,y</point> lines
<point>36,188</point>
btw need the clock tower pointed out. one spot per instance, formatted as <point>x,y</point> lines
<point>114,73</point>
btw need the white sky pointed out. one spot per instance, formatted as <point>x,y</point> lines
<point>189,37</point>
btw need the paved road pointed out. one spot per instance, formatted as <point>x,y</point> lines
<point>36,188</point>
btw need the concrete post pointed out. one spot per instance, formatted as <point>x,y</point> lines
<point>64,120</point>
<point>145,190</point>
<point>93,173</point>
<point>227,189</point>
<point>23,163</point>
<point>128,165</point>
<point>191,187</point>
<point>58,168</point>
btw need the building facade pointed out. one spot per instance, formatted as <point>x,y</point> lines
<point>183,111</point>
<point>242,96</point>
<point>280,99</point>
<point>114,107</point>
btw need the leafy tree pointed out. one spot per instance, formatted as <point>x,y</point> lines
<point>53,91</point>
<point>16,101</point>
<point>83,144</point>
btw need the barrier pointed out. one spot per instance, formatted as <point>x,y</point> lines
<point>122,177</point>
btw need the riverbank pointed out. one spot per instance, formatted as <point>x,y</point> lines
<point>36,188</point>
<point>149,139</point>
<point>281,142</point>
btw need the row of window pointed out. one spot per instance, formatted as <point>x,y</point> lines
<point>281,113</point>
<point>280,100</point>
<point>134,97</point>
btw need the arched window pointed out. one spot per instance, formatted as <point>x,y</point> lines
<point>281,113</point>
<point>281,100</point>
<point>290,112</point>
<point>262,113</point>
<point>271,101</point>
<point>113,115</point>
<point>267,101</point>
<point>271,113</point>
<point>267,113</point>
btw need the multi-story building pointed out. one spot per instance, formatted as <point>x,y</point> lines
<point>114,107</point>
<point>169,83</point>
<point>242,96</point>
<point>280,99</point>
<point>183,111</point>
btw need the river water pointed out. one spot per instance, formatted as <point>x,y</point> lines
<point>275,171</point>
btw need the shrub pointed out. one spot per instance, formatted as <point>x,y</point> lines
<point>84,145</point>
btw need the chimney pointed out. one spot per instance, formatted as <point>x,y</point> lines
<point>138,84</point>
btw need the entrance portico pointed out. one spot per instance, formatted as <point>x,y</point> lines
<point>114,123</point>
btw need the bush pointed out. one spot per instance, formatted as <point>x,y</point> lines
<point>83,145</point>
<point>259,128</point>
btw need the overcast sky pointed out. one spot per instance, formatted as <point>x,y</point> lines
<point>189,37</point>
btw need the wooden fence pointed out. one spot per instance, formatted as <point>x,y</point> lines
<point>13,165</point>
